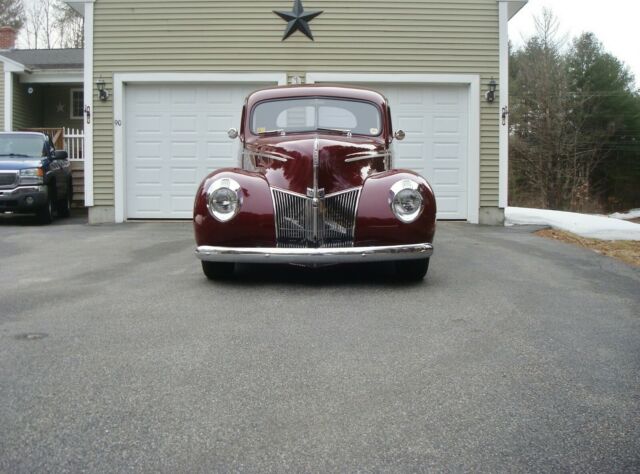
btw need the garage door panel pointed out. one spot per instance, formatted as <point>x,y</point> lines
<point>447,177</point>
<point>174,136</point>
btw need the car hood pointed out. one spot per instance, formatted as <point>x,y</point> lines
<point>19,163</point>
<point>344,162</point>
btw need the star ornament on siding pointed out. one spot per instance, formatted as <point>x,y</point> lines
<point>298,20</point>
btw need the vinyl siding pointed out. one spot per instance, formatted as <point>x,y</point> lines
<point>373,36</point>
<point>27,109</point>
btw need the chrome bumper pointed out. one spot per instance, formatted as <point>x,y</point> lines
<point>311,256</point>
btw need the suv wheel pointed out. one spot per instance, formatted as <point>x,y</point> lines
<point>45,214</point>
<point>64,206</point>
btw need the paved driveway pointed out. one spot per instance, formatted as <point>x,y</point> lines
<point>516,354</point>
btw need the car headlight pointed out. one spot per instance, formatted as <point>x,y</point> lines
<point>224,199</point>
<point>31,176</point>
<point>406,200</point>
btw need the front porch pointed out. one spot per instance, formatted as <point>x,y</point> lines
<point>44,92</point>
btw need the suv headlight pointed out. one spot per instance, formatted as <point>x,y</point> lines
<point>224,199</point>
<point>31,176</point>
<point>406,200</point>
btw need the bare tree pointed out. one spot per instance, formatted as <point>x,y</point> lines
<point>34,23</point>
<point>53,24</point>
<point>70,27</point>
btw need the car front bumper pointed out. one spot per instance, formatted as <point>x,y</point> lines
<point>23,199</point>
<point>315,256</point>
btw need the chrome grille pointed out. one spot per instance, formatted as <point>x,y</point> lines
<point>336,220</point>
<point>8,178</point>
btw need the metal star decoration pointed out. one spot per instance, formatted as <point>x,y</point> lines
<point>60,107</point>
<point>297,20</point>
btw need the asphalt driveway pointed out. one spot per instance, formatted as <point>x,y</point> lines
<point>116,354</point>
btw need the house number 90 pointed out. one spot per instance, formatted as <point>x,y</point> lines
<point>118,123</point>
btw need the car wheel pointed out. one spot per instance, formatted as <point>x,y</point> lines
<point>64,206</point>
<point>412,270</point>
<point>218,270</point>
<point>45,214</point>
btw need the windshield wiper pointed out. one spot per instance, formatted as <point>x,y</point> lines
<point>344,131</point>
<point>17,155</point>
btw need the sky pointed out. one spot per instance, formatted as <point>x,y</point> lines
<point>614,22</point>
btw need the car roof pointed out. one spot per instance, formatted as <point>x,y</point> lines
<point>39,134</point>
<point>314,90</point>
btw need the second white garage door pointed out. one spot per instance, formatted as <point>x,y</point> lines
<point>436,121</point>
<point>175,135</point>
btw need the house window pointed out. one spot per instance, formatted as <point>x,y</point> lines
<point>77,104</point>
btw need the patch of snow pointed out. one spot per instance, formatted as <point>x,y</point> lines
<point>584,225</point>
<point>626,216</point>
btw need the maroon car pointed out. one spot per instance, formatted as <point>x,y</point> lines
<point>315,185</point>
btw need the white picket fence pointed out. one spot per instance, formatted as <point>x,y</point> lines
<point>74,144</point>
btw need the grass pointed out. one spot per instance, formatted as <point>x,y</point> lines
<point>626,250</point>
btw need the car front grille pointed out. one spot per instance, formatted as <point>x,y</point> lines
<point>8,178</point>
<point>297,226</point>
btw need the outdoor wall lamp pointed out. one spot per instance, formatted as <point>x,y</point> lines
<point>104,93</point>
<point>491,93</point>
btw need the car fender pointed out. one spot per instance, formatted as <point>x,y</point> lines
<point>376,224</point>
<point>254,226</point>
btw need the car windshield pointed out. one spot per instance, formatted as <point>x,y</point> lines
<point>14,145</point>
<point>338,116</point>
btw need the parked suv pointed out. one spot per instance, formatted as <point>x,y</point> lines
<point>35,178</point>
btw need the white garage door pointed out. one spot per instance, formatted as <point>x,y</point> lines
<point>436,120</point>
<point>175,135</point>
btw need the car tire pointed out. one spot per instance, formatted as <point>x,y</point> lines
<point>45,214</point>
<point>64,206</point>
<point>412,270</point>
<point>218,270</point>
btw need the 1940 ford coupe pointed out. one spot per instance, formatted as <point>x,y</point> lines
<point>315,186</point>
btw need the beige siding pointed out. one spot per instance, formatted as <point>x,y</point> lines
<point>1,97</point>
<point>375,36</point>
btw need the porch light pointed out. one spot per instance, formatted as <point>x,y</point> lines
<point>491,93</point>
<point>104,93</point>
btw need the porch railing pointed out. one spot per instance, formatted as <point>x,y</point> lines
<point>74,143</point>
<point>69,139</point>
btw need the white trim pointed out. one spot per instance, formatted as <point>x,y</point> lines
<point>119,82</point>
<point>69,76</point>
<point>88,102</point>
<point>503,146</point>
<point>472,80</point>
<point>71,116</point>
<point>12,66</point>
<point>8,101</point>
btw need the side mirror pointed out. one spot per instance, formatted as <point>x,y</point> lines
<point>233,133</point>
<point>400,135</point>
<point>60,155</point>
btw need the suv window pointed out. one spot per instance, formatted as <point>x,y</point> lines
<point>12,145</point>
<point>314,114</point>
